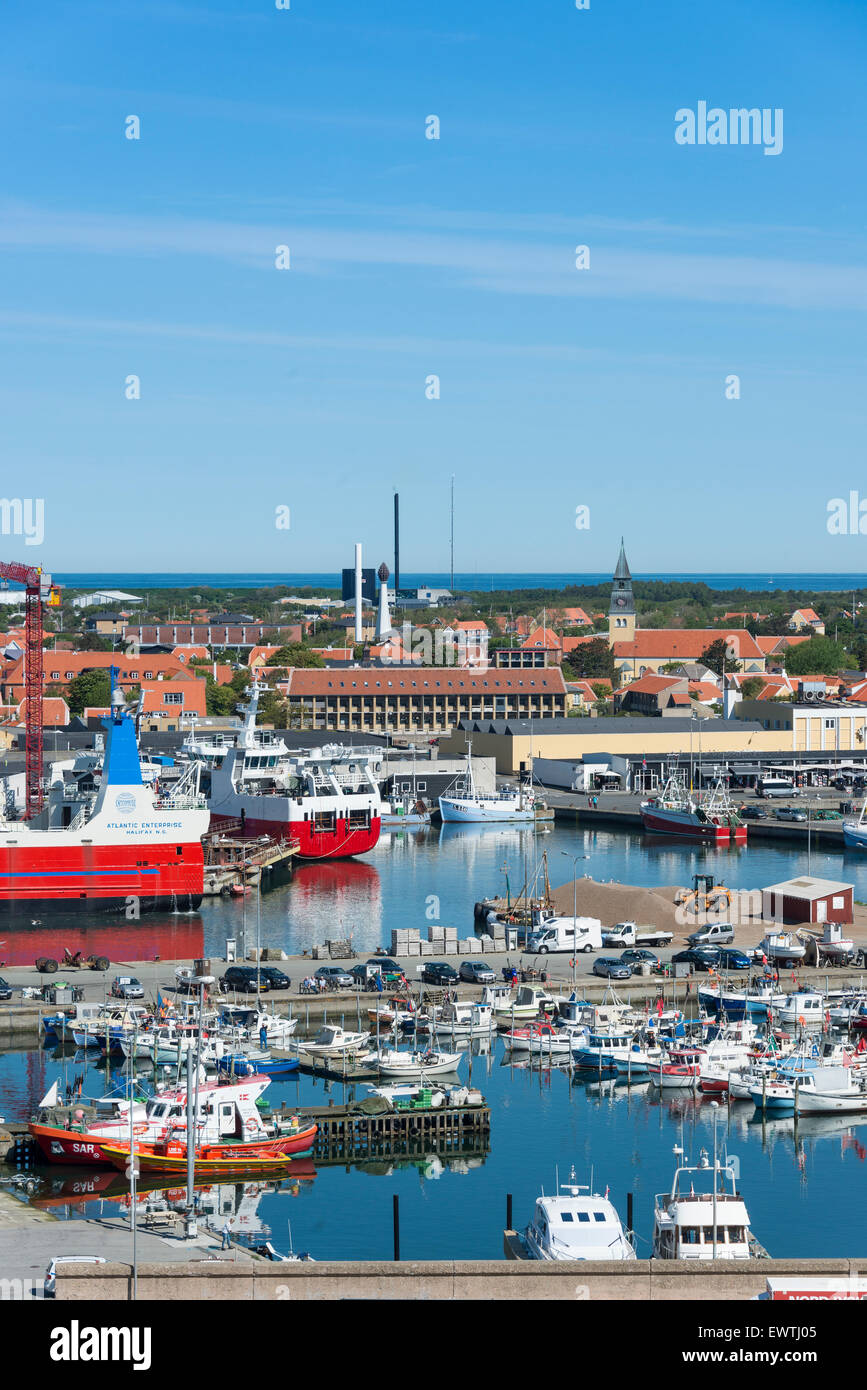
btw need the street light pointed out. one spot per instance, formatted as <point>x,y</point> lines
<point>574,858</point>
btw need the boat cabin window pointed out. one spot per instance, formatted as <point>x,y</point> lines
<point>566,1216</point>
<point>584,1216</point>
<point>599,1215</point>
<point>689,1235</point>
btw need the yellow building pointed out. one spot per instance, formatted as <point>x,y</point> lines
<point>820,727</point>
<point>514,742</point>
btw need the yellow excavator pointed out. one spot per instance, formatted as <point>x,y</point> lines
<point>703,896</point>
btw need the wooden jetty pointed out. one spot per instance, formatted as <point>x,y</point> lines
<point>233,861</point>
<point>355,1132</point>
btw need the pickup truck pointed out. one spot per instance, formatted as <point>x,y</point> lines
<point>629,934</point>
<point>714,934</point>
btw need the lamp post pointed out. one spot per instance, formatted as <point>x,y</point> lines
<point>574,859</point>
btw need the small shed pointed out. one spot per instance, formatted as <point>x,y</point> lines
<point>807,899</point>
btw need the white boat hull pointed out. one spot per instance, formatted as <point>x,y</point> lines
<point>468,811</point>
<point>416,1065</point>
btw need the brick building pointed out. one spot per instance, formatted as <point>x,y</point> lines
<point>426,700</point>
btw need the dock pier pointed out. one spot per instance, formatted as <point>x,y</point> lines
<point>354,1133</point>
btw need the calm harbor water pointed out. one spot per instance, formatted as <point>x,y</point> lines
<point>804,1188</point>
<point>412,878</point>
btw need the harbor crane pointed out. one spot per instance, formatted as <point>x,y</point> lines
<point>38,591</point>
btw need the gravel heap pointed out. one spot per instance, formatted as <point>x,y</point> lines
<point>621,902</point>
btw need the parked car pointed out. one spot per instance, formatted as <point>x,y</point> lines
<point>335,975</point>
<point>612,967</point>
<point>753,813</point>
<point>126,987</point>
<point>634,955</point>
<point>438,972</point>
<point>699,957</point>
<point>477,972</point>
<point>5,990</point>
<point>277,979</point>
<point>712,934</point>
<point>732,959</point>
<point>49,1284</point>
<point>790,813</point>
<point>243,979</point>
<point>389,969</point>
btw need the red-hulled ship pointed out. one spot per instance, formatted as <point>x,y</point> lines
<point>675,812</point>
<point>324,800</point>
<point>120,847</point>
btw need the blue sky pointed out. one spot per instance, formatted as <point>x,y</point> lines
<point>412,257</point>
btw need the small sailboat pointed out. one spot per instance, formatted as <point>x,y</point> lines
<point>333,1041</point>
<point>393,1062</point>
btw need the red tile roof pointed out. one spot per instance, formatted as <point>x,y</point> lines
<point>686,644</point>
<point>651,685</point>
<point>543,639</point>
<point>433,680</point>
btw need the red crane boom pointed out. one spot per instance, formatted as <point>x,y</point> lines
<point>38,590</point>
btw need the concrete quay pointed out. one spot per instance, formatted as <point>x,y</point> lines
<point>621,810</point>
<point>646,1281</point>
<point>19,1023</point>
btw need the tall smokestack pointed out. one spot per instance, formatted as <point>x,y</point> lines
<point>358,633</point>
<point>396,543</point>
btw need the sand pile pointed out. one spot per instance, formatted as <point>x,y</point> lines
<point>621,902</point>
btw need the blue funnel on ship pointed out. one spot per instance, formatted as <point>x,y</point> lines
<point>122,766</point>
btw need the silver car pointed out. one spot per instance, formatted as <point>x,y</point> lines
<point>477,972</point>
<point>335,975</point>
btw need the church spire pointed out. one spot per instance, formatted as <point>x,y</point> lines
<point>621,610</point>
<point>622,570</point>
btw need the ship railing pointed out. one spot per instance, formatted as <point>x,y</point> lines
<point>184,801</point>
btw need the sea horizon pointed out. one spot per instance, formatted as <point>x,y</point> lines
<point>754,582</point>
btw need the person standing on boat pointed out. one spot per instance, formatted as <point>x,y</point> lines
<point>263,1037</point>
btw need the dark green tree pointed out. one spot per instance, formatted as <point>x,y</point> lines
<point>91,687</point>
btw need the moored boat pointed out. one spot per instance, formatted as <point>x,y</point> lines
<point>703,1216</point>
<point>325,801</point>
<point>576,1224</point>
<point>695,817</point>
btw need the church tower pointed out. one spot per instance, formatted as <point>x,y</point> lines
<point>621,610</point>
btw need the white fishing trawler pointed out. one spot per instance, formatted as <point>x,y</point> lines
<point>465,804</point>
<point>703,1216</point>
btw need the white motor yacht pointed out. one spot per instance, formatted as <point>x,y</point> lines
<point>576,1224</point>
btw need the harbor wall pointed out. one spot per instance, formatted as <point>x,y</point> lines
<point>640,1280</point>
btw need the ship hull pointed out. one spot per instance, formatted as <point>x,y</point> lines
<point>677,823</point>
<point>343,841</point>
<point>689,828</point>
<point>110,878</point>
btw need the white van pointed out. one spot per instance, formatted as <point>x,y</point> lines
<point>566,934</point>
<point>776,786</point>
